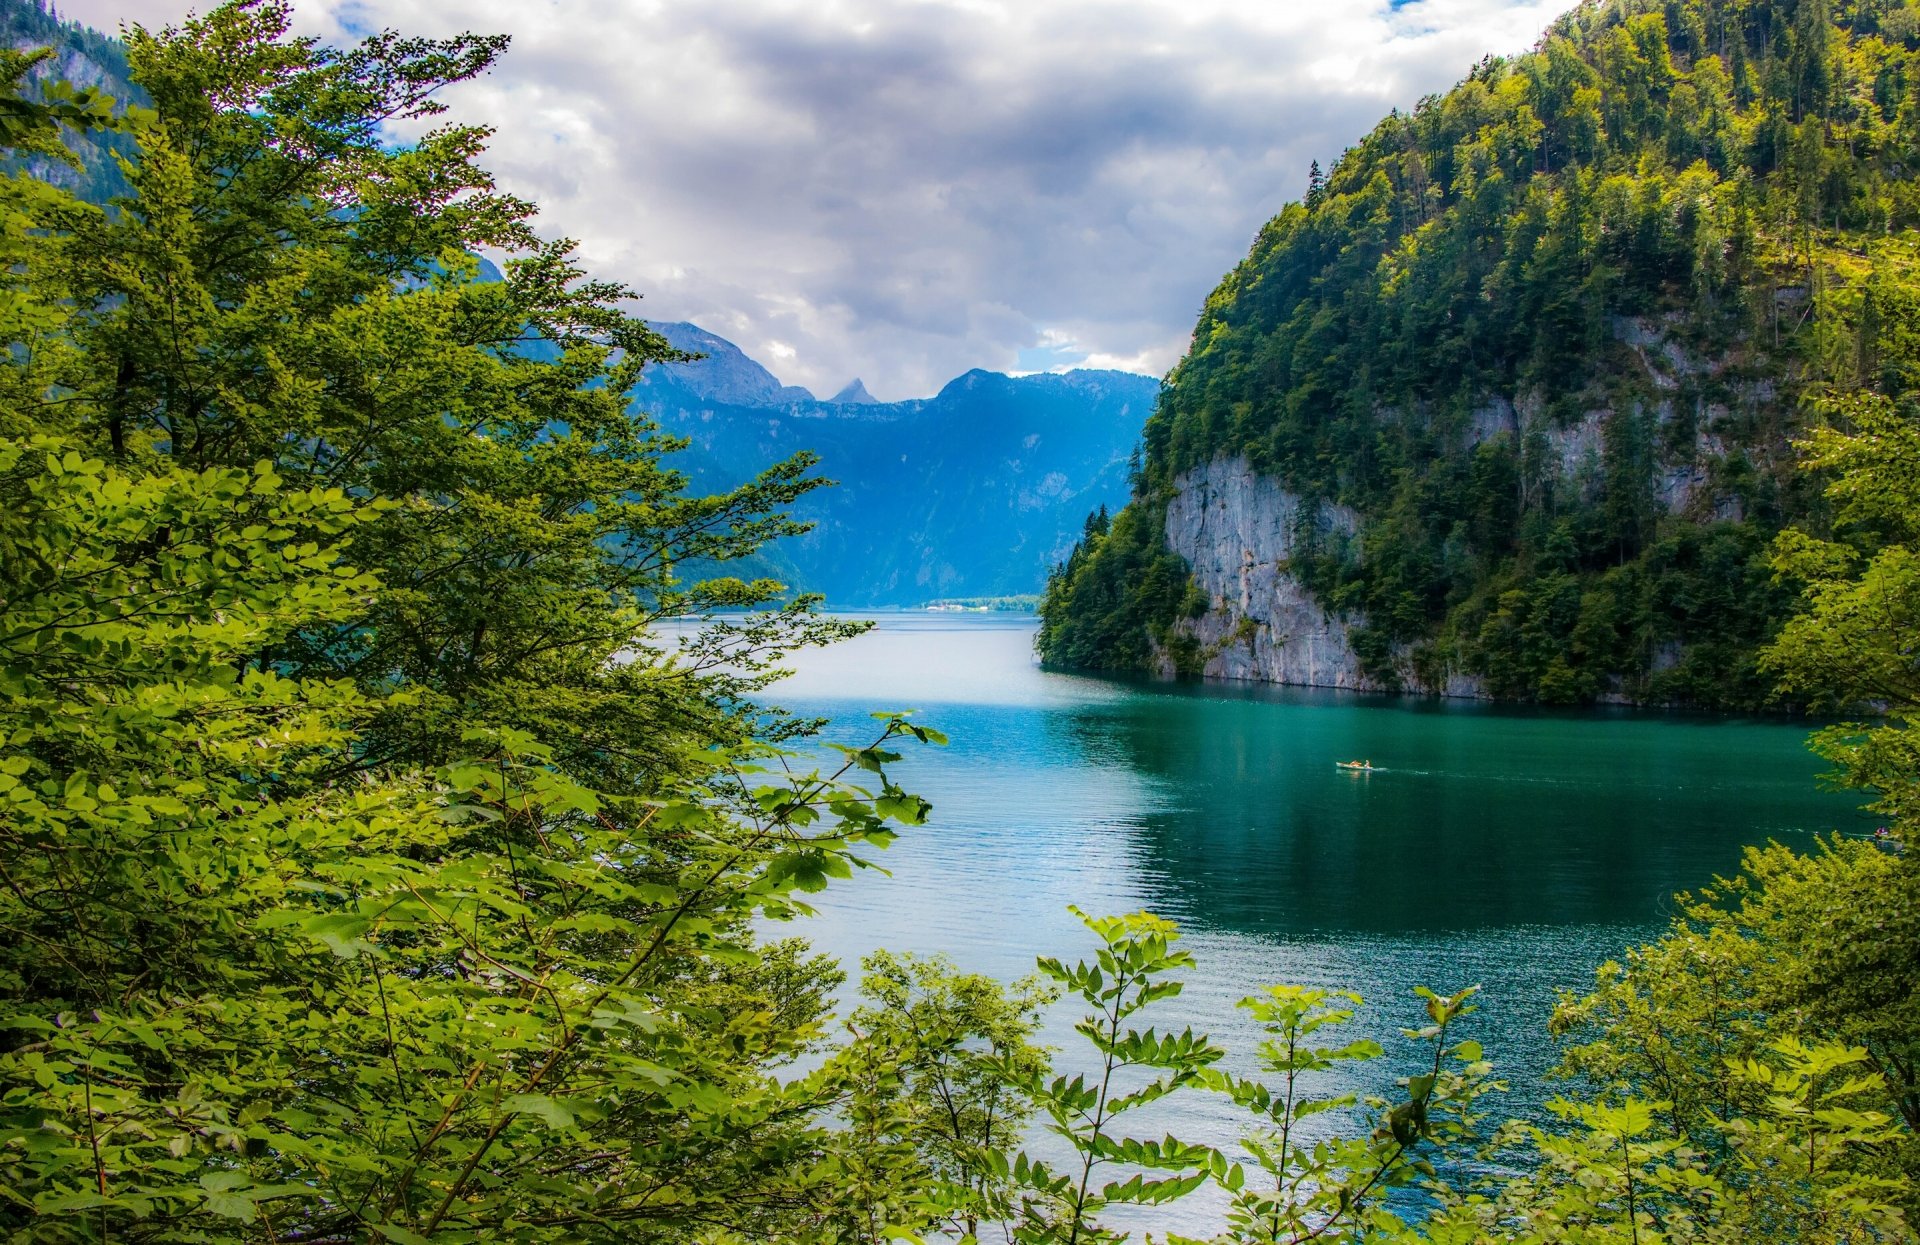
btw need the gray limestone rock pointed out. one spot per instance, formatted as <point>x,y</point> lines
<point>1237,529</point>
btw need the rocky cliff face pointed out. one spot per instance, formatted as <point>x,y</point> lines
<point>91,61</point>
<point>1560,380</point>
<point>1236,529</point>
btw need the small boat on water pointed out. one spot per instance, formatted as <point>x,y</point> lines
<point>1355,765</point>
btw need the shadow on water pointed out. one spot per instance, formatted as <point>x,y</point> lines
<point>1472,817</point>
<point>1536,843</point>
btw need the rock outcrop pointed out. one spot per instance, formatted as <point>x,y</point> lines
<point>1237,529</point>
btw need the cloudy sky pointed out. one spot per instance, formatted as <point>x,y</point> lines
<point>904,189</point>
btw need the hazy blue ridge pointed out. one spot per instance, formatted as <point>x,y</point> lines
<point>975,492</point>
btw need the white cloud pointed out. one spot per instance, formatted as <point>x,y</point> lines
<point>903,189</point>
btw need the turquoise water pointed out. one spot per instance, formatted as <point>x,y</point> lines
<point>1511,849</point>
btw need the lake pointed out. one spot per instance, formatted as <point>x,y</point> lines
<point>1510,848</point>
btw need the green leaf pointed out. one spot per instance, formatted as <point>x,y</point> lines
<point>549,1110</point>
<point>230,1206</point>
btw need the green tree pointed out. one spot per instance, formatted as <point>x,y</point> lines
<point>1336,1188</point>
<point>244,994</point>
<point>1626,258</point>
<point>1608,1172</point>
<point>303,934</point>
<point>284,284</point>
<point>1132,970</point>
<point>1853,645</point>
<point>936,1079</point>
<point>1802,947</point>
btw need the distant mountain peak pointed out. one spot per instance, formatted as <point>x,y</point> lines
<point>855,394</point>
<point>726,374</point>
<point>979,491</point>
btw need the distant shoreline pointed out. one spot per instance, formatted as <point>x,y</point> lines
<point>868,611</point>
<point>985,605</point>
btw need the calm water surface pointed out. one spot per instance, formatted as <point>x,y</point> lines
<point>1515,850</point>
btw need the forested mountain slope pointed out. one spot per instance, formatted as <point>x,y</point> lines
<point>974,492</point>
<point>89,60</point>
<point>1506,406</point>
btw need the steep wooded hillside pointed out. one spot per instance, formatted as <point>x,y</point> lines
<point>1505,406</point>
<point>88,59</point>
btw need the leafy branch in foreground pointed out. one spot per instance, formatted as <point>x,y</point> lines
<point>933,1084</point>
<point>1334,1188</point>
<point>285,283</point>
<point>368,872</point>
<point>1807,1153</point>
<point>1797,1167</point>
<point>1130,972</point>
<point>33,125</point>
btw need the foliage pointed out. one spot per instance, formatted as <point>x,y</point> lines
<point>1321,1187</point>
<point>90,132</point>
<point>1853,645</point>
<point>1337,1189</point>
<point>369,871</point>
<point>1110,605</point>
<point>33,23</point>
<point>30,125</point>
<point>245,994</point>
<point>283,284</point>
<point>303,935</point>
<point>1853,923</point>
<point>935,1085</point>
<point>1745,1028</point>
<point>1798,1148</point>
<point>1547,333</point>
<point>1131,971</point>
<point>1797,946</point>
<point>1790,1173</point>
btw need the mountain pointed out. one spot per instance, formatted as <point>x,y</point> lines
<point>854,394</point>
<point>90,60</point>
<point>1506,406</point>
<point>977,491</point>
<point>725,376</point>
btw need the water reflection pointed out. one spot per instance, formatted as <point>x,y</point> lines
<point>1472,818</point>
<point>1515,850</point>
